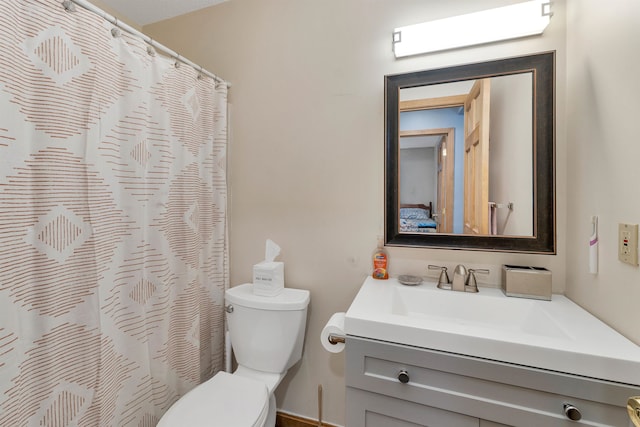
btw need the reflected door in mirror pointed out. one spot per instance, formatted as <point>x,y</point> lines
<point>477,218</point>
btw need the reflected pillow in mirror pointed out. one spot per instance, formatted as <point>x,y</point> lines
<point>414,213</point>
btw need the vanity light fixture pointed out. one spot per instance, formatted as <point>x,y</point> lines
<point>502,23</point>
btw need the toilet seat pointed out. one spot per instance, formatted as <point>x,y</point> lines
<point>224,400</point>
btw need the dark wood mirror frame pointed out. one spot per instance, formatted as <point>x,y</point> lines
<point>542,67</point>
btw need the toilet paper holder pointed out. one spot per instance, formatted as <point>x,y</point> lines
<point>333,335</point>
<point>336,339</point>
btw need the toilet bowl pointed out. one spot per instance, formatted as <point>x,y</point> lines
<point>267,335</point>
<point>224,400</point>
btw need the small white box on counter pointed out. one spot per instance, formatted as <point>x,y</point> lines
<point>268,278</point>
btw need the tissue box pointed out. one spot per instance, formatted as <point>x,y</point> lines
<point>526,282</point>
<point>268,278</point>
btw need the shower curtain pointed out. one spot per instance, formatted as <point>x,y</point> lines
<point>113,242</point>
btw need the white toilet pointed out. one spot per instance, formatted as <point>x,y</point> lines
<point>267,334</point>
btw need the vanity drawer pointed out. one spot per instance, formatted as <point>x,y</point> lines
<point>376,410</point>
<point>485,389</point>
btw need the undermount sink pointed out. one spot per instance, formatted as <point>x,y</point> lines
<point>556,335</point>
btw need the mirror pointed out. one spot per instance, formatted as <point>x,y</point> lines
<point>469,156</point>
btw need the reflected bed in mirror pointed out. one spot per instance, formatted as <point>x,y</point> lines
<point>474,145</point>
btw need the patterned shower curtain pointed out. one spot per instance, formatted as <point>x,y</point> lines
<point>113,244</point>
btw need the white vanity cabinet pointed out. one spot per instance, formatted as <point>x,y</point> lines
<point>443,389</point>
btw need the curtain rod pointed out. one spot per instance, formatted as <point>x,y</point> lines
<point>69,6</point>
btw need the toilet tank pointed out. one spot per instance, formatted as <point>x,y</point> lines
<point>267,333</point>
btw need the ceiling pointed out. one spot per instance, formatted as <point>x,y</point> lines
<point>144,12</point>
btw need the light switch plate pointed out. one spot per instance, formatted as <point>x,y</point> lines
<point>628,243</point>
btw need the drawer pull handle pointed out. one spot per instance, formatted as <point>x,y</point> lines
<point>572,413</point>
<point>403,377</point>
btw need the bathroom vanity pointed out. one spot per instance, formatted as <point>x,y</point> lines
<point>421,356</point>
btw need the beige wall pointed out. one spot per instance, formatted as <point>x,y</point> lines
<point>306,154</point>
<point>602,122</point>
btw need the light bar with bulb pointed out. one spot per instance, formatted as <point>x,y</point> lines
<point>502,23</point>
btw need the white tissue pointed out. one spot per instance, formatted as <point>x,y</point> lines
<point>271,251</point>
<point>268,275</point>
<point>335,326</point>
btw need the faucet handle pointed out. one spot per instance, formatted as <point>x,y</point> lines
<point>472,284</point>
<point>443,279</point>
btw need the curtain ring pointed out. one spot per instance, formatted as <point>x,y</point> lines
<point>69,6</point>
<point>150,49</point>
<point>176,64</point>
<point>115,31</point>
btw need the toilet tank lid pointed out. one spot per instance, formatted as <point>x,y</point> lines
<point>288,299</point>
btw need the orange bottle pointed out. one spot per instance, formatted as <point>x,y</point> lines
<point>380,262</point>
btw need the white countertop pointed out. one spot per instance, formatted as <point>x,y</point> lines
<point>556,335</point>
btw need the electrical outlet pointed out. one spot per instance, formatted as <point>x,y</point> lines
<point>628,243</point>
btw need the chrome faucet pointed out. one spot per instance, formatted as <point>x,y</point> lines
<point>464,280</point>
<point>471,285</point>
<point>459,278</point>
<point>443,279</point>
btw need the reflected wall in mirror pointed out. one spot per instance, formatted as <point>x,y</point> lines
<point>469,156</point>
